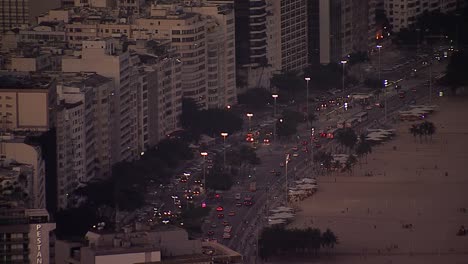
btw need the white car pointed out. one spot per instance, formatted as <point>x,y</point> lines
<point>296,154</point>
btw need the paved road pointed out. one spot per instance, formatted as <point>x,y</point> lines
<point>245,236</point>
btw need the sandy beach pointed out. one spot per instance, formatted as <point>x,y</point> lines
<point>423,184</point>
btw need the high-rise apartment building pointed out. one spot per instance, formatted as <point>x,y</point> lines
<point>159,94</point>
<point>403,13</point>
<point>20,13</point>
<point>288,22</point>
<point>83,131</point>
<point>221,60</point>
<point>26,236</point>
<point>108,59</point>
<point>253,68</point>
<point>187,32</point>
<point>338,28</point>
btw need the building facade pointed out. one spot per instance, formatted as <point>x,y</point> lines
<point>403,13</point>
<point>83,132</point>
<point>107,58</point>
<point>187,32</point>
<point>26,236</point>
<point>20,13</point>
<point>290,21</point>
<point>24,102</point>
<point>221,55</point>
<point>339,28</point>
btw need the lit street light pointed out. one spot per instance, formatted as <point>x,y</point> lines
<point>286,174</point>
<point>307,79</point>
<point>385,88</point>
<point>274,115</point>
<point>204,154</point>
<point>250,115</point>
<point>224,135</point>
<point>343,62</point>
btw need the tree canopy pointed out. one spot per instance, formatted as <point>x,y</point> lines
<point>255,98</point>
<point>277,240</point>
<point>210,122</point>
<point>346,137</point>
<point>456,71</point>
<point>289,82</point>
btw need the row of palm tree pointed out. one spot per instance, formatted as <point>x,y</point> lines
<point>348,139</point>
<point>279,241</point>
<point>425,129</point>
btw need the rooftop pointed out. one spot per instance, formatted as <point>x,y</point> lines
<point>24,82</point>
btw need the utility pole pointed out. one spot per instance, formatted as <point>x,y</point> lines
<point>307,79</point>
<point>275,96</point>
<point>287,190</point>
<point>430,81</point>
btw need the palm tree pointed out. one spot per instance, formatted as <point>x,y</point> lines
<point>363,148</point>
<point>414,131</point>
<point>431,129</point>
<point>428,128</point>
<point>337,165</point>
<point>347,137</point>
<point>329,239</point>
<point>349,164</point>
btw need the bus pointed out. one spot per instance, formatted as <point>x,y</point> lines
<point>352,122</point>
<point>362,116</point>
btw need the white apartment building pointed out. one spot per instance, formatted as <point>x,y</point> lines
<point>403,13</point>
<point>103,57</point>
<point>83,131</point>
<point>289,21</point>
<point>21,13</point>
<point>221,55</point>
<point>159,91</point>
<point>187,32</point>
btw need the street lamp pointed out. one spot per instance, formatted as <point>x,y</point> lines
<point>430,83</point>
<point>385,87</point>
<point>379,47</point>
<point>224,135</point>
<point>286,174</point>
<point>307,79</point>
<point>274,115</point>
<point>343,62</point>
<point>249,115</point>
<point>204,154</point>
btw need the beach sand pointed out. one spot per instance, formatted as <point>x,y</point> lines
<point>423,184</point>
